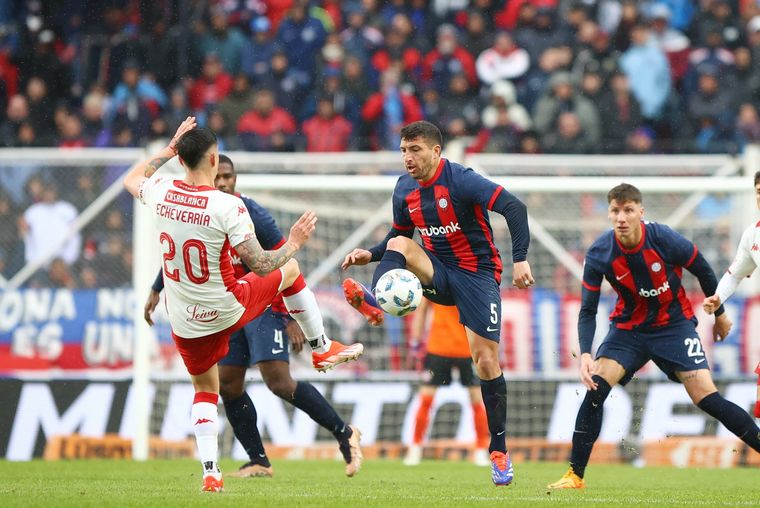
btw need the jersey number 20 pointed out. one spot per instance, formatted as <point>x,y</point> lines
<point>173,274</point>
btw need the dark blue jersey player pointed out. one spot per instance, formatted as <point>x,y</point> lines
<point>457,263</point>
<point>652,320</point>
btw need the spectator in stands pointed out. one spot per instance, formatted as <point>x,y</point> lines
<point>9,234</point>
<point>161,48</point>
<point>235,103</point>
<point>388,110</point>
<point>136,99</point>
<point>620,114</point>
<point>16,115</point>
<point>648,72</point>
<point>302,36</point>
<point>178,108</point>
<point>745,86</point>
<point>211,87</point>
<point>498,135</point>
<point>288,83</point>
<point>711,53</point>
<point>266,127</point>
<point>592,84</point>
<point>59,275</point>
<point>477,34</point>
<point>327,131</point>
<point>88,277</point>
<point>46,225</point>
<point>594,50</point>
<point>504,95</point>
<point>108,263</point>
<point>40,107</point>
<point>711,101</point>
<point>258,50</point>
<point>747,125</point>
<point>359,39</point>
<point>397,50</point>
<point>640,141</point>
<point>541,33</point>
<point>37,57</point>
<point>672,42</point>
<point>503,60</point>
<point>718,16</point>
<point>226,42</point>
<point>71,135</point>
<point>562,97</point>
<point>446,59</point>
<point>93,127</point>
<point>226,135</point>
<point>568,137</point>
<point>460,103</point>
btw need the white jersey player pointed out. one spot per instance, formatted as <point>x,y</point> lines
<point>746,261</point>
<point>197,226</point>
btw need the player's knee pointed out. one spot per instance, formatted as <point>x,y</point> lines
<point>283,387</point>
<point>230,390</point>
<point>486,364</point>
<point>399,244</point>
<point>290,272</point>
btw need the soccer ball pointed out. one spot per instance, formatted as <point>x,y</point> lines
<point>398,292</point>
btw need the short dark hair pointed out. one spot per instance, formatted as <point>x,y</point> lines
<point>623,193</point>
<point>193,144</point>
<point>224,159</point>
<point>757,178</point>
<point>424,130</point>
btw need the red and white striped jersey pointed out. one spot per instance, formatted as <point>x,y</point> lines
<point>197,226</point>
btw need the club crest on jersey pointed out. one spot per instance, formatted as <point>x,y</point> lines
<point>201,314</point>
<point>241,210</point>
<point>443,203</point>
<point>755,247</point>
<point>656,267</point>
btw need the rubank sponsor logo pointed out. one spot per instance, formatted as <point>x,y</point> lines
<point>654,292</point>
<point>451,227</point>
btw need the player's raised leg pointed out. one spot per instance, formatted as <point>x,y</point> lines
<point>493,387</point>
<point>205,420</point>
<point>306,397</point>
<point>302,306</point>
<point>704,394</point>
<point>401,252</point>
<point>606,374</point>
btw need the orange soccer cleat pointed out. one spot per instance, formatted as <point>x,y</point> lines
<point>212,482</point>
<point>337,354</point>
<point>569,480</point>
<point>361,299</point>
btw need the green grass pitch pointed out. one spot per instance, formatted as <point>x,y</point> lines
<point>168,483</point>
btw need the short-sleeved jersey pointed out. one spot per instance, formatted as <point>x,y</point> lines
<point>451,213</point>
<point>748,254</point>
<point>197,225</point>
<point>647,278</point>
<point>446,336</point>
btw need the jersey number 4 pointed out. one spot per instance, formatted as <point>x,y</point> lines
<point>173,273</point>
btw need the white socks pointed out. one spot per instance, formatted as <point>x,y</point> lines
<point>303,307</point>
<point>205,419</point>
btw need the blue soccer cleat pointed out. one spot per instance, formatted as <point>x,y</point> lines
<point>501,469</point>
<point>362,299</point>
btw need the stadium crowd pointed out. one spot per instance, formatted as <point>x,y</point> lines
<point>517,76</point>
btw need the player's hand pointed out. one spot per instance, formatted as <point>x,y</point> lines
<point>711,303</point>
<point>722,327</point>
<point>188,125</point>
<point>356,257</point>
<point>150,306</point>
<point>521,276</point>
<point>588,369</point>
<point>302,229</point>
<point>296,336</point>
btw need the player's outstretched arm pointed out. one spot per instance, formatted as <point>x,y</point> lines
<point>261,261</point>
<point>356,257</point>
<point>145,169</point>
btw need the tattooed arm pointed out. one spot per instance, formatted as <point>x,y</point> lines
<point>144,170</point>
<point>261,261</point>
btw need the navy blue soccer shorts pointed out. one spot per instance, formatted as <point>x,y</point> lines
<point>476,296</point>
<point>674,348</point>
<point>263,339</point>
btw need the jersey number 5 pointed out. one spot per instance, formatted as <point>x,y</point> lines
<point>173,274</point>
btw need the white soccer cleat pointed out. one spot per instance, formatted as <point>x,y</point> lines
<point>414,456</point>
<point>481,458</point>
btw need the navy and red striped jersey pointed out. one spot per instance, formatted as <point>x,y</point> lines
<point>646,278</point>
<point>451,213</point>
